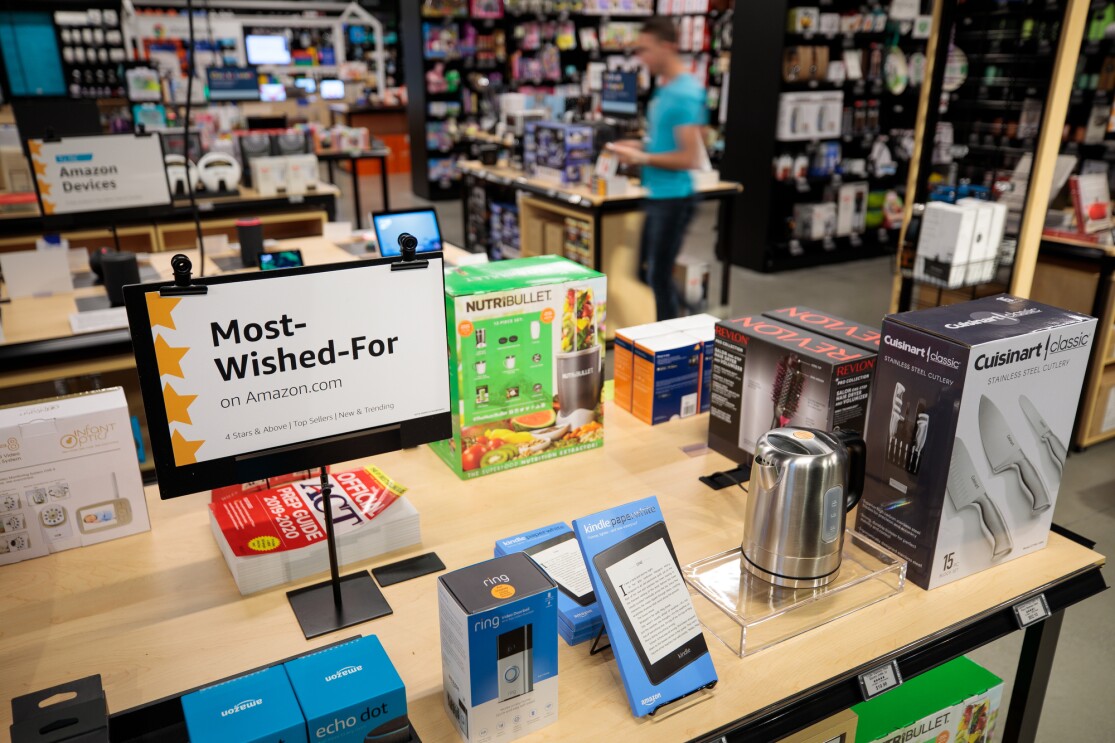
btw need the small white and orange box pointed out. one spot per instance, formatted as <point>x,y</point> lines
<point>623,359</point>
<point>666,377</point>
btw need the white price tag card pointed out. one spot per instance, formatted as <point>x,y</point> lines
<point>884,678</point>
<point>1032,611</point>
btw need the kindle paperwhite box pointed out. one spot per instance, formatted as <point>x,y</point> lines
<point>351,693</point>
<point>654,631</point>
<point>554,549</point>
<point>768,374</point>
<point>69,476</point>
<point>499,662</point>
<point>257,708</point>
<point>968,430</point>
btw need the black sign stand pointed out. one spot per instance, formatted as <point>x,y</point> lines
<point>338,602</point>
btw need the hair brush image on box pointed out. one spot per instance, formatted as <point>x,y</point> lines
<point>786,393</point>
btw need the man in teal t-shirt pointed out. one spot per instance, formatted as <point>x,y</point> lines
<point>675,118</point>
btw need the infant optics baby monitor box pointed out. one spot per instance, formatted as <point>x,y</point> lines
<point>499,648</point>
<point>257,708</point>
<point>69,476</point>
<point>526,341</point>
<point>966,438</point>
<point>351,693</point>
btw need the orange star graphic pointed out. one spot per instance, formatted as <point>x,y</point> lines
<point>44,188</point>
<point>177,405</point>
<point>169,359</point>
<point>40,168</point>
<point>36,146</point>
<point>185,452</point>
<point>159,309</point>
<point>48,206</point>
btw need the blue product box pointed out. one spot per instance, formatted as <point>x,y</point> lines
<point>555,550</point>
<point>499,658</point>
<point>351,692</point>
<point>638,580</point>
<point>666,378</point>
<point>257,708</point>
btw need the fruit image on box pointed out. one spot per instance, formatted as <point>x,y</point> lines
<point>966,434</point>
<point>767,374</point>
<point>257,708</point>
<point>957,702</point>
<point>351,693</point>
<point>527,363</point>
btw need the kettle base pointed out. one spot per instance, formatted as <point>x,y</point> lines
<point>783,581</point>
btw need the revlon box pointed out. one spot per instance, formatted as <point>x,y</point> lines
<point>971,415</point>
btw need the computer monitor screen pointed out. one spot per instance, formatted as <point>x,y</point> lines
<point>422,223</point>
<point>619,94</point>
<point>308,84</point>
<point>267,49</point>
<point>233,84</point>
<point>272,92</point>
<point>332,90</point>
<point>29,49</point>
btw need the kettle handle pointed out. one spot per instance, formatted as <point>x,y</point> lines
<point>857,461</point>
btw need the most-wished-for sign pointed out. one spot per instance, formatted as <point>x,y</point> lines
<point>101,173</point>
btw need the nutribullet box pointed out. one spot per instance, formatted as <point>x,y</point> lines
<point>767,374</point>
<point>968,431</point>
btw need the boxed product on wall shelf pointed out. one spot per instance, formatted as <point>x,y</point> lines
<point>837,137</point>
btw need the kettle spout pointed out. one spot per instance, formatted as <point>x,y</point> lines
<point>766,474</point>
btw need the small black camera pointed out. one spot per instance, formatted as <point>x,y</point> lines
<point>408,246</point>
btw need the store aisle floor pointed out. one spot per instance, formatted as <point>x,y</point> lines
<point>1078,702</point>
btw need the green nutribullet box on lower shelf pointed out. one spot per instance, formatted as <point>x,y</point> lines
<point>527,363</point>
<point>957,702</point>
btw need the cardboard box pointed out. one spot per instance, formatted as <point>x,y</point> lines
<point>69,476</point>
<point>958,701</point>
<point>840,728</point>
<point>981,262</point>
<point>350,692</point>
<point>831,325</point>
<point>851,209</point>
<point>527,363</point>
<point>257,708</point>
<point>768,374</point>
<point>944,244</point>
<point>814,221</point>
<point>666,379</point>
<point>579,619</point>
<point>499,648</point>
<point>269,175</point>
<point>977,400</point>
<point>623,359</point>
<point>301,174</point>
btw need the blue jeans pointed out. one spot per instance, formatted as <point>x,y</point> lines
<point>663,233</point>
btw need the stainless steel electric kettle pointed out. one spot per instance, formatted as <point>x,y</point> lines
<point>803,483</point>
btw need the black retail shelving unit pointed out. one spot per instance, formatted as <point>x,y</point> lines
<point>995,115</point>
<point>767,239</point>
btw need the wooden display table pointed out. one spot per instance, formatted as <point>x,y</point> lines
<point>158,613</point>
<point>614,222</point>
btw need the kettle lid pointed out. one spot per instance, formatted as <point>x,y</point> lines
<point>796,442</point>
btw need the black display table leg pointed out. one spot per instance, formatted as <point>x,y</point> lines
<point>1032,679</point>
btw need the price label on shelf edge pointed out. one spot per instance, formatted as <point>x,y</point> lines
<point>878,680</point>
<point>1032,611</point>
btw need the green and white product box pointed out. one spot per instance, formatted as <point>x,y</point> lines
<point>527,363</point>
<point>957,702</point>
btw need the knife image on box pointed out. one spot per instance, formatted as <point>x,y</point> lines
<point>1003,453</point>
<point>1044,433</point>
<point>965,489</point>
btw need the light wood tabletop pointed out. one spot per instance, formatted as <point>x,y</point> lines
<point>158,613</point>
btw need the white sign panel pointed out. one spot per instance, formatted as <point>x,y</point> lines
<point>105,173</point>
<point>272,362</point>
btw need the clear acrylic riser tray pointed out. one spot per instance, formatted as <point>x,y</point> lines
<point>749,614</point>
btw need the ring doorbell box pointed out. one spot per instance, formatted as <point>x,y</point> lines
<point>351,693</point>
<point>257,708</point>
<point>69,475</point>
<point>767,374</point>
<point>968,430</point>
<point>499,667</point>
<point>269,175</point>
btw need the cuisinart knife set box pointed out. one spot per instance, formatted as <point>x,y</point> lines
<point>526,343</point>
<point>794,366</point>
<point>69,476</point>
<point>973,407</point>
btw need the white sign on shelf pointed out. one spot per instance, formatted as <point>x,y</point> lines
<point>100,173</point>
<point>262,363</point>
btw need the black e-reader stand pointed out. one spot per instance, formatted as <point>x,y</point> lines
<point>339,602</point>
